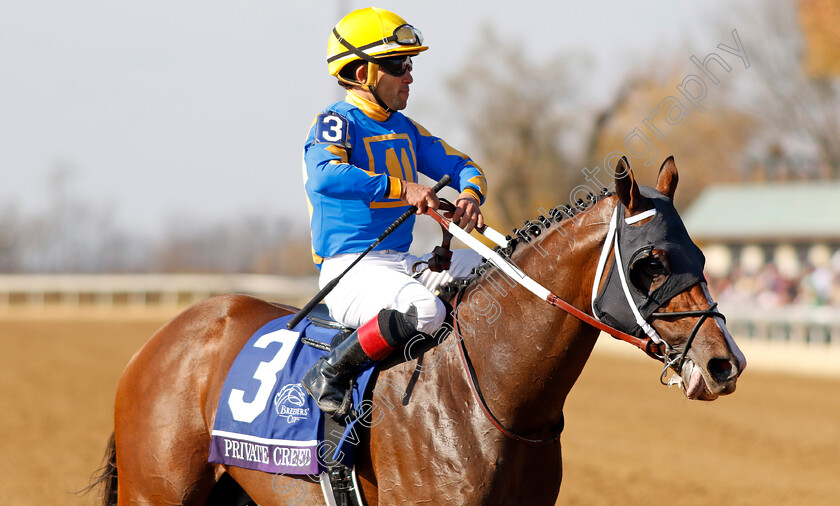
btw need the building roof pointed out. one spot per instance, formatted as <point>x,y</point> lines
<point>766,212</point>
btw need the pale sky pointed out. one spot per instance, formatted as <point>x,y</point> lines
<point>201,108</point>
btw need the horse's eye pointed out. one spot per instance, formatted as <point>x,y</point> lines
<point>656,266</point>
<point>649,269</point>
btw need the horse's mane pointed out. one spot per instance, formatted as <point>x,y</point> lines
<point>530,230</point>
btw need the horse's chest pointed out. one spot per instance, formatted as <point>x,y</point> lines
<point>433,444</point>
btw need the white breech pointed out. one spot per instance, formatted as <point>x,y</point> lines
<point>382,280</point>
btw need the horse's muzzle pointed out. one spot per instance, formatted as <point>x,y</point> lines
<point>719,377</point>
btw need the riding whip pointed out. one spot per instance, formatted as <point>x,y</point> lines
<point>445,180</point>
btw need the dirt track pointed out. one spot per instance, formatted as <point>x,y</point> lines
<point>627,440</point>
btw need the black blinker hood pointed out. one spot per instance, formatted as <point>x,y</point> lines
<point>664,231</point>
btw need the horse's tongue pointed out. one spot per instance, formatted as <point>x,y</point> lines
<point>695,384</point>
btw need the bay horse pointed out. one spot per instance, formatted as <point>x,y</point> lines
<point>433,442</point>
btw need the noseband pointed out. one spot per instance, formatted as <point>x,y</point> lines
<point>671,356</point>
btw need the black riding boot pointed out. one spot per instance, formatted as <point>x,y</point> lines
<point>328,382</point>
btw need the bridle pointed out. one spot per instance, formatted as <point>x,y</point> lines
<point>652,344</point>
<point>669,355</point>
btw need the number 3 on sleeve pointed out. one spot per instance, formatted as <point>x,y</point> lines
<point>331,128</point>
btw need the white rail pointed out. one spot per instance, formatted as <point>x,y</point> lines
<point>794,324</point>
<point>809,325</point>
<point>166,290</point>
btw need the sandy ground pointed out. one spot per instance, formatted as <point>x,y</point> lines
<point>628,440</point>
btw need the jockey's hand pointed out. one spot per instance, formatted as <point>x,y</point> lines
<point>419,196</point>
<point>467,214</point>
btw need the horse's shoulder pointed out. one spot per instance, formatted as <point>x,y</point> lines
<point>414,375</point>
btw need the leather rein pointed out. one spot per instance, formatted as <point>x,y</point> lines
<point>476,389</point>
<point>657,349</point>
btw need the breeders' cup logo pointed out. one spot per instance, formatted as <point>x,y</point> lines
<point>289,401</point>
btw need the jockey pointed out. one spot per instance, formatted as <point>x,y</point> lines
<point>361,165</point>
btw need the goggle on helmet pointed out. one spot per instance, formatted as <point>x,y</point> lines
<point>377,36</point>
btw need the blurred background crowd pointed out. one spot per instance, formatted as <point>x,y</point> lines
<point>768,288</point>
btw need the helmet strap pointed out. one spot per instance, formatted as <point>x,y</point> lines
<point>372,81</point>
<point>379,100</point>
<point>372,75</point>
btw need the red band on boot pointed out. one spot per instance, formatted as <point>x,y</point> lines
<point>374,345</point>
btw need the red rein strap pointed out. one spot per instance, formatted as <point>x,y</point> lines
<point>645,344</point>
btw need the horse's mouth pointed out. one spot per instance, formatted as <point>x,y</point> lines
<point>693,380</point>
<point>694,383</point>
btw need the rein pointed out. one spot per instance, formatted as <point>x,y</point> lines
<point>476,389</point>
<point>513,271</point>
<point>509,268</point>
<point>652,345</point>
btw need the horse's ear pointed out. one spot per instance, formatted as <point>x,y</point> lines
<point>668,178</point>
<point>626,187</point>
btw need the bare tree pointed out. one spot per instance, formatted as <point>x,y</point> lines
<point>10,225</point>
<point>74,235</point>
<point>529,124</point>
<point>798,108</point>
<point>517,113</point>
<point>259,244</point>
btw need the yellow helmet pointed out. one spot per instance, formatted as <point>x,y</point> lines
<point>367,33</point>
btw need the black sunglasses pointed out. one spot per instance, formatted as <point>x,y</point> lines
<point>395,65</point>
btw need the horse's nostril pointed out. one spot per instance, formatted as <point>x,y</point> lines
<point>721,369</point>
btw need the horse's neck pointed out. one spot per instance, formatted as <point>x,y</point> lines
<point>527,353</point>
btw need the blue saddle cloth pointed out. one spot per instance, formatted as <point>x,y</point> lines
<point>265,419</point>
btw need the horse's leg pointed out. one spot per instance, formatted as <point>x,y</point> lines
<point>167,397</point>
<point>531,475</point>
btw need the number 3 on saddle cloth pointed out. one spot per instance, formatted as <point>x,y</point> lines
<point>265,419</point>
